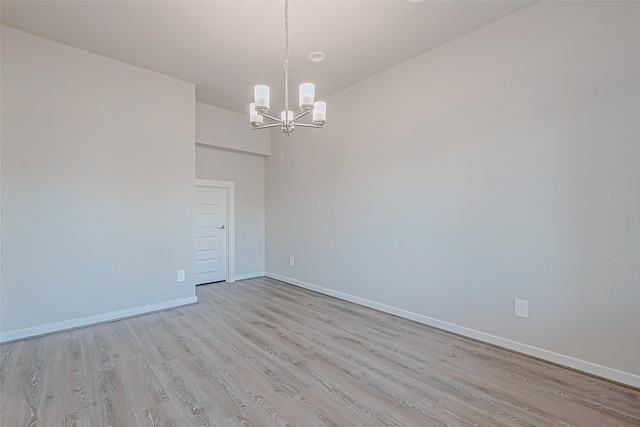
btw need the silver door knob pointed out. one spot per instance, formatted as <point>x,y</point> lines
<point>221,227</point>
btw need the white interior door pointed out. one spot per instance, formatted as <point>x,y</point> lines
<point>211,234</point>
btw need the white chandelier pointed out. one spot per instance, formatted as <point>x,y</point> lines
<point>258,110</point>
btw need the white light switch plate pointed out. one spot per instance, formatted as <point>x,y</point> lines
<point>181,275</point>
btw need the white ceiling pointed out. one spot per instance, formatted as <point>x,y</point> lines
<point>227,47</point>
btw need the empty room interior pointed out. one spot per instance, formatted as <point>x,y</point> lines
<point>320,213</point>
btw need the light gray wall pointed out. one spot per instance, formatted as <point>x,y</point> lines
<point>97,184</point>
<point>217,127</point>
<point>503,164</point>
<point>248,172</point>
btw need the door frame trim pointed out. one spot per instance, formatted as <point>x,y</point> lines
<point>231,222</point>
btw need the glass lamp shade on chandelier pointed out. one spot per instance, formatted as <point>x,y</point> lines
<point>259,109</point>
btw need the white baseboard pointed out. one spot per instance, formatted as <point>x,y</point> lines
<point>249,275</point>
<point>92,320</point>
<point>560,359</point>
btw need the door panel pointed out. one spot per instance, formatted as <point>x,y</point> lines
<point>205,254</point>
<point>205,231</point>
<point>207,266</point>
<point>207,219</point>
<point>207,243</point>
<point>202,278</point>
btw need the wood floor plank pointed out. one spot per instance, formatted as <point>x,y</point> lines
<point>66,398</point>
<point>264,353</point>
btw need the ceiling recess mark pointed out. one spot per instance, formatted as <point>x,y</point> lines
<point>317,56</point>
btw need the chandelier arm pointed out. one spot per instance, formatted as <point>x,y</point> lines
<point>271,117</point>
<point>304,113</point>
<point>266,126</point>
<point>306,125</point>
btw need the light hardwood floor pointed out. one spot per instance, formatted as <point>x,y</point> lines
<point>263,353</point>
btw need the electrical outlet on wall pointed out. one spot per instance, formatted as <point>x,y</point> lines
<point>181,275</point>
<point>292,261</point>
<point>521,308</point>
